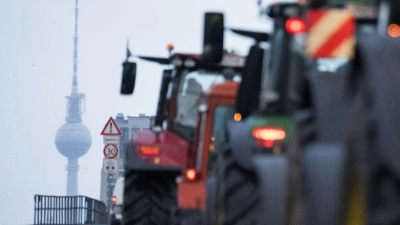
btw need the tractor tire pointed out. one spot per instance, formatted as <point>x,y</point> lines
<point>324,168</point>
<point>273,177</point>
<point>238,198</point>
<point>379,81</point>
<point>149,198</point>
<point>189,217</point>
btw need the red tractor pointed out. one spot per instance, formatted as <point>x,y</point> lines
<point>198,89</point>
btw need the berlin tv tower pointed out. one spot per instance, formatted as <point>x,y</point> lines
<point>73,139</point>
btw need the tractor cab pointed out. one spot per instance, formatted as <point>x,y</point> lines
<point>177,112</point>
<point>274,81</point>
<point>182,86</point>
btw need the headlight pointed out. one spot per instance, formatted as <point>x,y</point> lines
<point>190,63</point>
<point>202,107</point>
<point>177,62</point>
<point>202,103</point>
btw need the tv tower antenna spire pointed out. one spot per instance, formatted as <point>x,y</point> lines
<point>75,66</point>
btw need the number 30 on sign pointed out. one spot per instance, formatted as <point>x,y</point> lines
<point>110,151</point>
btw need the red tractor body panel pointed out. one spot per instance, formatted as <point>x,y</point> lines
<point>192,194</point>
<point>161,149</point>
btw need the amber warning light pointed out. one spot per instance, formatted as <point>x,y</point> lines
<point>170,47</point>
<point>147,150</point>
<point>237,117</point>
<point>394,30</point>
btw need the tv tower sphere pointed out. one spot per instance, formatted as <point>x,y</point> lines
<point>73,140</point>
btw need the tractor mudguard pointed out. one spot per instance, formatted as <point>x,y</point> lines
<point>241,144</point>
<point>273,174</point>
<point>378,63</point>
<point>328,92</point>
<point>324,166</point>
<point>378,69</point>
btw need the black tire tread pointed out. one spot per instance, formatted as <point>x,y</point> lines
<point>149,198</point>
<point>239,190</point>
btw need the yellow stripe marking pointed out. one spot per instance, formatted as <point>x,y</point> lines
<point>345,49</point>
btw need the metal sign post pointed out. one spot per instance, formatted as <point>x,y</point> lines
<point>111,134</point>
<point>110,177</point>
<point>110,167</point>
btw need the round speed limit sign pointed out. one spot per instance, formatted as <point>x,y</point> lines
<point>110,151</point>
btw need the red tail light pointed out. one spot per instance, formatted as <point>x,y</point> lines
<point>269,133</point>
<point>295,26</point>
<point>148,150</point>
<point>191,174</point>
<point>268,144</point>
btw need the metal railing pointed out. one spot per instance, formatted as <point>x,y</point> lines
<point>68,210</point>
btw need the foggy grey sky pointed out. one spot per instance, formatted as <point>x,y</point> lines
<point>36,49</point>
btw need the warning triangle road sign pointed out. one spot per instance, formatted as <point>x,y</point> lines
<point>111,128</point>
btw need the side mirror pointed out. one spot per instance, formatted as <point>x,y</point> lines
<point>247,99</point>
<point>128,78</point>
<point>213,37</point>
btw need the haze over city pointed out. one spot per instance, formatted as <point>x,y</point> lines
<point>36,49</point>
